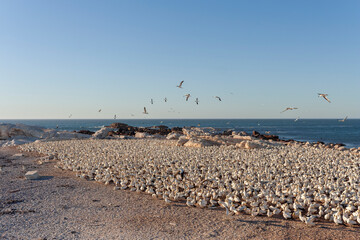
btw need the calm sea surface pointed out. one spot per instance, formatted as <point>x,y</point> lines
<point>326,130</point>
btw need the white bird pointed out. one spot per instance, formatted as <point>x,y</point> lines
<point>218,98</point>
<point>187,96</point>
<point>289,108</point>
<point>324,96</point>
<point>197,101</point>
<point>343,120</point>
<point>145,112</point>
<point>296,119</point>
<point>180,85</point>
<point>70,115</point>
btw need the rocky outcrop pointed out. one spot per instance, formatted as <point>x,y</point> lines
<point>173,136</point>
<point>102,133</point>
<point>196,142</point>
<point>17,134</point>
<point>141,134</point>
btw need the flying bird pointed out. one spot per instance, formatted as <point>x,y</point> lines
<point>197,101</point>
<point>180,85</point>
<point>324,96</point>
<point>289,108</point>
<point>152,101</point>
<point>218,98</point>
<point>115,116</point>
<point>70,115</point>
<point>145,112</point>
<point>343,120</point>
<point>99,110</point>
<point>187,96</point>
<point>296,119</point>
<point>165,99</point>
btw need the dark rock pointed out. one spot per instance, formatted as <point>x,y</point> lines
<point>119,125</point>
<point>256,134</point>
<point>177,129</point>
<point>227,133</point>
<point>270,137</point>
<point>86,132</point>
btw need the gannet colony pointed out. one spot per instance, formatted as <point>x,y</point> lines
<point>292,180</point>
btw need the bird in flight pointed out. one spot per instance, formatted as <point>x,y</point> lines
<point>99,110</point>
<point>70,115</point>
<point>289,108</point>
<point>145,112</point>
<point>218,98</point>
<point>343,120</point>
<point>187,96</point>
<point>324,96</point>
<point>152,101</point>
<point>115,116</point>
<point>197,101</point>
<point>180,85</point>
<point>165,99</point>
<point>297,119</point>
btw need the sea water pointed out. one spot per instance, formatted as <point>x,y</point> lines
<point>313,130</point>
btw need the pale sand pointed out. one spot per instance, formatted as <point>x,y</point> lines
<point>62,206</point>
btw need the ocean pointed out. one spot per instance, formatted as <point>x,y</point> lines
<point>312,130</point>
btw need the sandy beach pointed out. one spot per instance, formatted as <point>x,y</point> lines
<point>60,205</point>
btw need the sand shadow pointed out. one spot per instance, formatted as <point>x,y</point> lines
<point>41,178</point>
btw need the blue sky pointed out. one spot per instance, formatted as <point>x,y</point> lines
<point>75,57</point>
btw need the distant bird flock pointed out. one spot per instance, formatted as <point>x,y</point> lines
<point>188,95</point>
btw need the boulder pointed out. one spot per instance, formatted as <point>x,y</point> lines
<point>141,134</point>
<point>249,145</point>
<point>182,141</point>
<point>256,134</point>
<point>177,129</point>
<point>11,130</point>
<point>173,135</point>
<point>242,137</point>
<point>200,143</point>
<point>32,175</point>
<point>119,125</point>
<point>102,133</point>
<point>86,132</point>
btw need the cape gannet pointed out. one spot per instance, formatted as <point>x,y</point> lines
<point>180,85</point>
<point>289,108</point>
<point>324,96</point>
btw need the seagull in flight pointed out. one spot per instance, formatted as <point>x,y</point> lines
<point>70,115</point>
<point>145,112</point>
<point>343,120</point>
<point>165,99</point>
<point>99,110</point>
<point>197,101</point>
<point>180,85</point>
<point>296,119</point>
<point>218,98</point>
<point>187,96</point>
<point>289,108</point>
<point>324,96</point>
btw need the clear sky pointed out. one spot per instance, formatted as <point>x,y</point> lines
<point>76,57</point>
